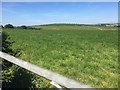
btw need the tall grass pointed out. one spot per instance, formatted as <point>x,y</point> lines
<point>88,56</point>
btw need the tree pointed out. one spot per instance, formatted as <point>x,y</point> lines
<point>23,27</point>
<point>1,26</point>
<point>9,26</point>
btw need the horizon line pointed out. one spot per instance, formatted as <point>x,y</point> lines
<point>64,23</point>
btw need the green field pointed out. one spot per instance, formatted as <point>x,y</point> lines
<point>73,27</point>
<point>87,54</point>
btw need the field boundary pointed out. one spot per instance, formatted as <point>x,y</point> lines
<point>59,79</point>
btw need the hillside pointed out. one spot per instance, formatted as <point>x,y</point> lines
<point>73,27</point>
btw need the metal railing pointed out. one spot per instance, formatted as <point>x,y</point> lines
<point>56,79</point>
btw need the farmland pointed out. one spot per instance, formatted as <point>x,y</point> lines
<point>87,54</point>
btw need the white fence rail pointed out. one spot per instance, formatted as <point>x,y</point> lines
<point>57,78</point>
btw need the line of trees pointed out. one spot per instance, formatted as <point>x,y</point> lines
<point>7,26</point>
<point>10,26</point>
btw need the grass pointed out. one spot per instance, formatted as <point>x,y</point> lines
<point>88,55</point>
<point>74,27</point>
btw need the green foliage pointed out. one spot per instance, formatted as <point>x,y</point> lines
<point>73,27</point>
<point>23,27</point>
<point>6,45</point>
<point>9,26</point>
<point>27,28</point>
<point>15,77</point>
<point>83,54</point>
<point>7,70</point>
<point>1,26</point>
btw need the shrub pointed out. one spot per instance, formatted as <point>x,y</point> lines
<point>8,68</point>
<point>14,76</point>
<point>9,26</point>
<point>1,26</point>
<point>23,27</point>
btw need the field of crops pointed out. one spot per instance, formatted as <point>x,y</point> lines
<point>88,54</point>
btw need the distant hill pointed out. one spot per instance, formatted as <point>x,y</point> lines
<point>73,27</point>
<point>62,24</point>
<point>68,24</point>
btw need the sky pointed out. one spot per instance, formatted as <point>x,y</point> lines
<point>37,13</point>
<point>60,0</point>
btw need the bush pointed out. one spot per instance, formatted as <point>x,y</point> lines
<point>14,76</point>
<point>8,68</point>
<point>28,27</point>
<point>9,26</point>
<point>23,27</point>
<point>1,26</point>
